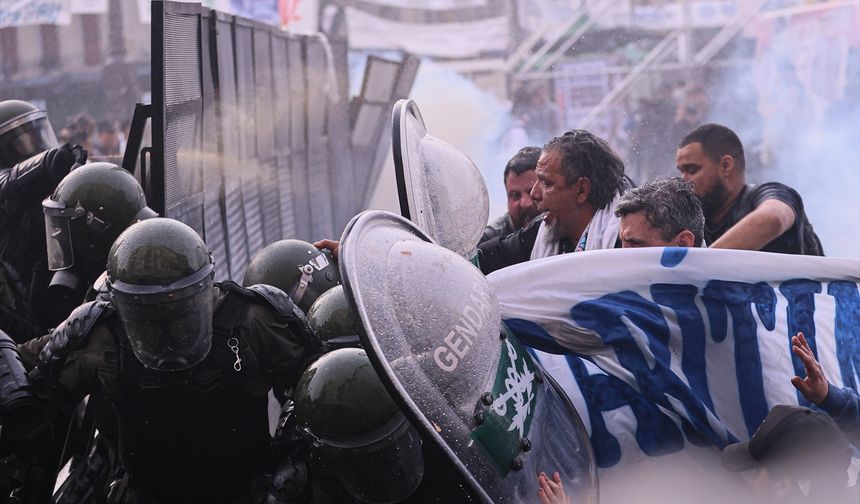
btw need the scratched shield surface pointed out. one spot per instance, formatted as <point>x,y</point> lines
<point>432,329</point>
<point>440,189</point>
<point>671,354</point>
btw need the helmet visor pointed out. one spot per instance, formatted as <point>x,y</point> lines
<point>58,234</point>
<point>388,470</point>
<point>26,137</point>
<point>169,328</point>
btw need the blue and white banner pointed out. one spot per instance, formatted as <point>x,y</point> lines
<point>671,354</point>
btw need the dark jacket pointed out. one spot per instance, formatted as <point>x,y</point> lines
<point>199,435</point>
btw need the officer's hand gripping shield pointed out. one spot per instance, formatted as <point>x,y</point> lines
<point>431,327</point>
<point>440,188</point>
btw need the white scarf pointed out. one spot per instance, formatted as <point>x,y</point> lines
<point>601,233</point>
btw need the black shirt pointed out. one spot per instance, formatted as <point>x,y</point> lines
<point>800,238</point>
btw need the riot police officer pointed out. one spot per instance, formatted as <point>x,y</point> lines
<point>26,428</point>
<point>31,165</point>
<point>86,213</point>
<point>373,457</point>
<point>185,362</point>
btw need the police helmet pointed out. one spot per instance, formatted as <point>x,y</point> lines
<point>160,278</point>
<point>24,132</point>
<point>88,210</point>
<point>359,432</point>
<point>333,319</point>
<point>297,268</point>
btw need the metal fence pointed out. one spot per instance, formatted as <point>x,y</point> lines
<point>253,139</point>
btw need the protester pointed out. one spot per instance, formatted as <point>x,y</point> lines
<point>664,212</point>
<point>843,404</point>
<point>579,181</point>
<point>796,455</point>
<point>552,489</point>
<point>107,140</point>
<point>519,177</point>
<point>79,131</point>
<point>768,217</point>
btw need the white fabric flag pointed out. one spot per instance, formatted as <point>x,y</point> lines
<point>671,354</point>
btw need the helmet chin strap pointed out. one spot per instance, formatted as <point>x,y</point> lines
<point>307,272</point>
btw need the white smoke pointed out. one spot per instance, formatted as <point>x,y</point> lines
<point>797,110</point>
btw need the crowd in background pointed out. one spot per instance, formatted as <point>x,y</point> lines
<point>101,138</point>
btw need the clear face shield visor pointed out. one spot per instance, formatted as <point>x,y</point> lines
<point>169,327</point>
<point>380,469</point>
<point>24,137</point>
<point>58,218</point>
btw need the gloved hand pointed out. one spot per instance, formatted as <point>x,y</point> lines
<point>60,161</point>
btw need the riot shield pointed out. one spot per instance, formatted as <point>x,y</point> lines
<point>440,188</point>
<point>431,327</point>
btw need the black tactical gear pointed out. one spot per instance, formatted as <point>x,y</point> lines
<point>333,319</point>
<point>355,427</point>
<point>297,268</point>
<point>24,131</point>
<point>22,241</point>
<point>160,276</point>
<point>71,335</point>
<point>200,434</point>
<point>26,427</point>
<point>88,210</point>
<point>15,386</point>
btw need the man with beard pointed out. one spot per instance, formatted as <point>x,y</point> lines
<point>519,179</point>
<point>579,180</point>
<point>767,217</point>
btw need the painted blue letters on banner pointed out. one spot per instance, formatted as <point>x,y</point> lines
<point>670,351</point>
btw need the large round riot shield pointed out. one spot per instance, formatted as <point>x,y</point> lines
<point>431,327</point>
<point>440,188</point>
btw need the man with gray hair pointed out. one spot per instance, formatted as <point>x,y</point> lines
<point>664,212</point>
<point>579,180</point>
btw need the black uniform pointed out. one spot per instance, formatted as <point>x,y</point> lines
<point>198,435</point>
<point>24,314</point>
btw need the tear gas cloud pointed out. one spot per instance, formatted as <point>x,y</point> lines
<point>797,111</point>
<point>795,106</point>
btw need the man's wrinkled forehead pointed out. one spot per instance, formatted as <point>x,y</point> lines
<point>547,159</point>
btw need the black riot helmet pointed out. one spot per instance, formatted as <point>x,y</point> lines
<point>24,132</point>
<point>160,278</point>
<point>357,429</point>
<point>88,210</point>
<point>297,268</point>
<point>333,319</point>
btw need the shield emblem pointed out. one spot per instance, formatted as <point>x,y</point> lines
<point>432,329</point>
<point>440,188</point>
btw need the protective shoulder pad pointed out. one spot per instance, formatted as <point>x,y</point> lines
<point>273,296</point>
<point>14,385</point>
<point>72,334</point>
<point>100,285</point>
